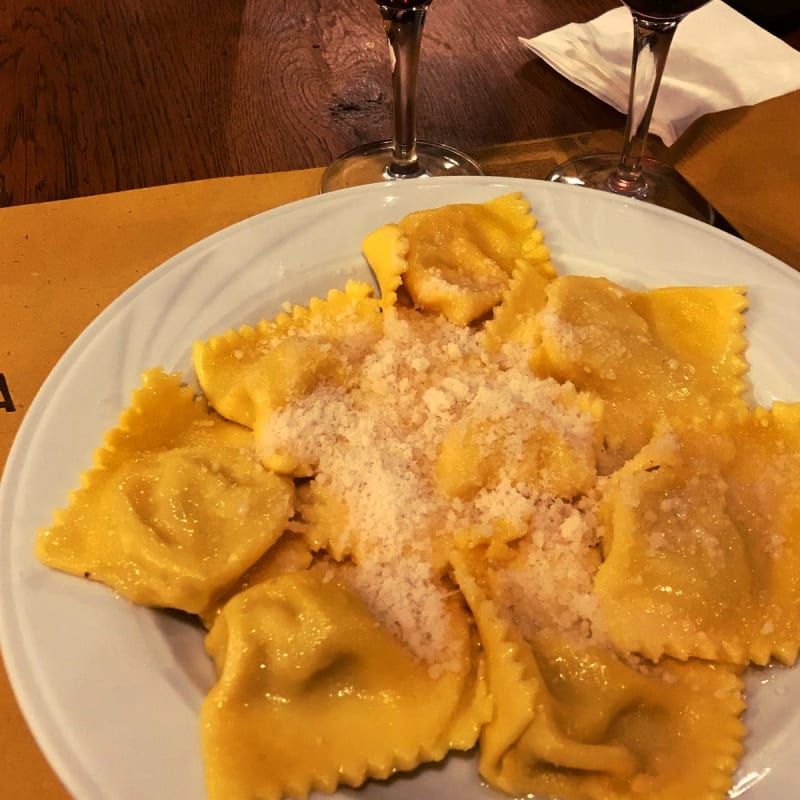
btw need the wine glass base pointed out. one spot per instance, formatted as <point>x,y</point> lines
<point>369,163</point>
<point>664,185</point>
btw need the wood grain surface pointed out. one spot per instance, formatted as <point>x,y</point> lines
<point>105,95</point>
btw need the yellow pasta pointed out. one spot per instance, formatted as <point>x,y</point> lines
<point>322,520</point>
<point>289,554</point>
<point>707,523</point>
<point>245,374</point>
<point>676,573</point>
<point>764,504</point>
<point>458,259</point>
<point>515,318</point>
<point>385,250</point>
<point>177,505</point>
<point>481,449</point>
<point>313,692</point>
<point>574,721</point>
<point>663,354</point>
<point>493,508</point>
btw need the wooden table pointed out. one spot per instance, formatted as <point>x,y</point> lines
<point>106,95</point>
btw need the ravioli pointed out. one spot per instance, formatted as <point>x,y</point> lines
<point>553,451</point>
<point>764,504</point>
<point>673,354</point>
<point>458,259</point>
<point>313,692</point>
<point>573,720</point>
<point>247,373</point>
<point>176,508</point>
<point>707,523</point>
<point>515,318</point>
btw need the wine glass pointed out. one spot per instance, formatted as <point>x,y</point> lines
<point>631,173</point>
<point>404,156</point>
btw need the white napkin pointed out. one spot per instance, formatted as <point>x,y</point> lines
<point>719,59</point>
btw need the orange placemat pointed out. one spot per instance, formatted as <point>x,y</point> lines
<point>61,264</point>
<point>746,162</point>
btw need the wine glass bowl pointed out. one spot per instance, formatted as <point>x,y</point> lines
<point>664,9</point>
<point>630,173</point>
<point>403,157</point>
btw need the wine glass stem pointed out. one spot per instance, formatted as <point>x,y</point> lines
<point>652,40</point>
<point>404,32</point>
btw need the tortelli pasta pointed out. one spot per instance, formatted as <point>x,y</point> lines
<point>493,508</point>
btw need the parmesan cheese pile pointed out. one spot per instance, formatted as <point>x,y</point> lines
<point>375,444</point>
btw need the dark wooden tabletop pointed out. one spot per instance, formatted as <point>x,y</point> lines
<point>105,95</point>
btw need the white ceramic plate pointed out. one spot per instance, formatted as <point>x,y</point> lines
<point>112,691</point>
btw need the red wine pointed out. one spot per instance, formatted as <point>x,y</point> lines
<point>404,5</point>
<point>664,9</point>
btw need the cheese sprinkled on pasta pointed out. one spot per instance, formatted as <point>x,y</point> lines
<point>374,443</point>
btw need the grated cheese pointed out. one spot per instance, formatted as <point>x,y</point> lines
<point>374,443</point>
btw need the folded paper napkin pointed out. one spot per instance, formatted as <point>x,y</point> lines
<point>719,60</point>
